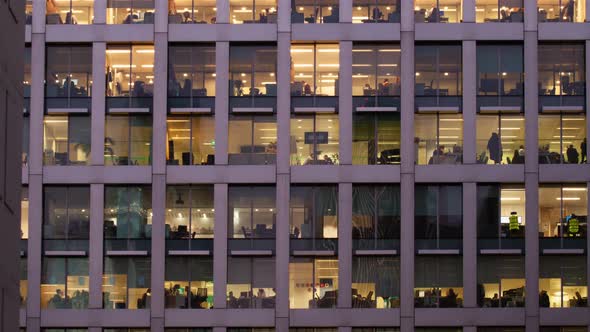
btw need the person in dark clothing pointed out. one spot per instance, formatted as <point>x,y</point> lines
<point>495,148</point>
<point>544,299</point>
<point>567,13</point>
<point>583,149</point>
<point>572,155</point>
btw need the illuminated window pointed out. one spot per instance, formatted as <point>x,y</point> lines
<point>376,75</point>
<point>500,70</point>
<point>510,11</point>
<point>250,11</point>
<point>191,74</point>
<point>66,218</point>
<point>561,70</point>
<point>376,217</point>
<point>127,217</point>
<point>130,76</point>
<point>190,214</point>
<point>24,282</point>
<point>250,282</point>
<point>68,78</point>
<point>313,283</point>
<point>561,11</point>
<point>376,138</point>
<point>64,283</point>
<point>314,139</point>
<point>500,281</point>
<point>126,283</point>
<point>66,140</point>
<point>252,140</point>
<point>438,282</point>
<point>189,282</point>
<point>316,11</point>
<point>500,138</point>
<point>192,11</point>
<point>314,216</point>
<point>314,70</point>
<point>375,282</point>
<point>437,11</point>
<point>128,140</point>
<point>70,12</point>
<point>191,140</point>
<point>562,282</point>
<point>252,212</point>
<point>130,11</point>
<point>562,139</point>
<point>376,11</point>
<point>563,215</point>
<point>439,139</point>
<point>496,204</point>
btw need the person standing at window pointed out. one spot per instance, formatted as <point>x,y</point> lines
<point>495,148</point>
<point>572,154</point>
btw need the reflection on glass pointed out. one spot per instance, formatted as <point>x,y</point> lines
<point>190,212</point>
<point>130,70</point>
<point>501,216</point>
<point>438,282</point>
<point>375,282</point>
<point>192,11</point>
<point>437,11</point>
<point>191,71</point>
<point>376,70</point>
<point>563,282</point>
<point>68,71</point>
<point>500,139</point>
<point>191,140</point>
<point>438,71</point>
<point>130,11</point>
<point>252,212</point>
<point>128,140</point>
<point>500,281</point>
<point>189,282</point>
<point>313,283</point>
<point>70,11</point>
<point>500,70</point>
<point>126,283</point>
<point>253,11</point>
<point>315,11</point>
<point>511,11</point>
<point>561,11</point>
<point>563,211</point>
<point>66,213</point>
<point>64,283</point>
<point>376,212</point>
<point>376,138</point>
<point>251,282</point>
<point>314,212</point>
<point>24,213</point>
<point>253,70</point>
<point>127,212</point>
<point>563,329</point>
<point>439,139</point>
<point>438,216</point>
<point>562,139</point>
<point>66,140</point>
<point>314,139</point>
<point>252,140</point>
<point>561,69</point>
<point>314,70</point>
<point>376,11</point>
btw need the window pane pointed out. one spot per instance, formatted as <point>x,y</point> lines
<point>248,11</point>
<point>437,11</point>
<point>501,281</point>
<point>126,283</point>
<point>127,212</point>
<point>563,281</point>
<point>438,282</point>
<point>375,282</point>
<point>314,212</point>
<point>128,12</point>
<point>191,69</point>
<point>313,283</point>
<point>189,282</point>
<point>511,11</point>
<point>251,282</point>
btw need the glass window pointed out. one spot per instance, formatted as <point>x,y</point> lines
<point>376,216</point>
<point>189,282</point>
<point>127,217</point>
<point>192,11</point>
<point>191,140</point>
<point>64,283</point>
<point>250,282</point>
<point>63,330</point>
<point>561,11</point>
<point>500,281</point>
<point>66,140</point>
<point>438,282</point>
<point>24,213</point>
<point>190,212</point>
<point>253,11</point>
<point>439,139</point>
<point>438,71</point>
<point>376,138</point>
<point>250,329</point>
<point>27,90</point>
<point>375,282</point>
<point>25,138</point>
<point>500,138</point>
<point>438,329</point>
<point>314,74</point>
<point>252,140</point>
<point>316,11</point>
<point>500,70</point>
<point>130,11</point>
<point>439,216</point>
<point>70,12</point>
<point>314,139</point>
<point>126,330</point>
<point>128,140</point>
<point>376,11</point>
<point>66,213</point>
<point>437,11</point>
<point>313,283</point>
<point>563,215</point>
<point>561,69</point>
<point>563,282</point>
<point>501,218</point>
<point>191,71</point>
<point>560,137</point>
<point>130,69</point>
<point>252,213</point>
<point>563,329</point>
<point>126,283</point>
<point>28,12</point>
<point>24,282</point>
<point>68,77</point>
<point>376,75</point>
<point>252,70</point>
<point>511,11</point>
<point>500,329</point>
<point>375,329</point>
<point>314,214</point>
<point>195,329</point>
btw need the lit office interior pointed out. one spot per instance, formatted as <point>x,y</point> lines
<point>496,203</point>
<point>376,11</point>
<point>558,205</point>
<point>314,217</point>
<point>494,11</point>
<point>562,138</point>
<point>189,282</point>
<point>315,11</point>
<point>376,75</point>
<point>252,70</point>
<point>438,11</point>
<point>252,213</point>
<point>127,217</point>
<point>439,76</point>
<point>500,281</point>
<point>252,139</point>
<point>134,12</point>
<point>253,11</point>
<point>191,11</point>
<point>561,69</point>
<point>500,138</point>
<point>66,218</point>
<point>126,283</point>
<point>500,75</point>
<point>561,11</point>
<point>66,139</point>
<point>375,282</point>
<point>438,281</point>
<point>314,139</point>
<point>28,12</point>
<point>128,139</point>
<point>376,138</point>
<point>190,214</point>
<point>64,283</point>
<point>23,282</point>
<point>439,138</point>
<point>68,77</point>
<point>250,282</point>
<point>70,11</point>
<point>191,140</point>
<point>376,217</point>
<point>191,72</point>
<point>438,217</point>
<point>562,281</point>
<point>313,282</point>
<point>314,70</point>
<point>130,70</point>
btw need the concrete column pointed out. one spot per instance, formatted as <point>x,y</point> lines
<point>282,254</point>
<point>98,104</point>
<point>284,19</point>
<point>37,102</point>
<point>531,104</point>
<point>469,101</point>
<point>96,250</point>
<point>157,324</point>
<point>345,11</point>
<point>283,102</point>
<point>530,16</point>
<point>588,239</point>
<point>160,20</point>
<point>38,24</point>
<point>469,329</point>
<point>532,323</point>
<point>344,329</point>
<point>469,245</point>
<point>407,17</point>
<point>469,11</point>
<point>100,12</point>
<point>407,324</point>
<point>160,103</point>
<point>222,14</point>
<point>344,245</point>
<point>587,80</point>
<point>34,255</point>
<point>407,102</point>
<point>220,246</point>
<point>33,324</point>
<point>532,246</point>
<point>221,100</point>
<point>587,16</point>
<point>345,102</point>
<point>407,250</point>
<point>282,325</point>
<point>158,244</point>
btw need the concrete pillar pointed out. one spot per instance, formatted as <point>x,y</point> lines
<point>284,19</point>
<point>161,21</point>
<point>345,102</point>
<point>345,11</point>
<point>160,100</point>
<point>469,245</point>
<point>37,102</point>
<point>96,249</point>
<point>587,80</point>
<point>407,248</point>
<point>221,100</point>
<point>97,116</point>
<point>100,12</point>
<point>530,16</point>
<point>469,102</point>
<point>531,103</point>
<point>283,102</point>
<point>282,253</point>
<point>222,15</point>
<point>344,245</point>
<point>158,252</point>
<point>220,246</point>
<point>34,250</point>
<point>532,246</point>
<point>469,11</point>
<point>407,104</point>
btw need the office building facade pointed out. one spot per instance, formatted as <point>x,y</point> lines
<point>291,164</point>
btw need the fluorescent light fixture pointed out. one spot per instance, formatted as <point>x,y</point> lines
<point>303,65</point>
<point>123,66</point>
<point>147,66</point>
<point>331,65</point>
<point>396,50</point>
<point>567,198</point>
<point>510,198</point>
<point>510,128</point>
<point>574,189</point>
<point>328,50</point>
<point>301,50</point>
<point>387,65</point>
<point>145,51</point>
<point>118,51</point>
